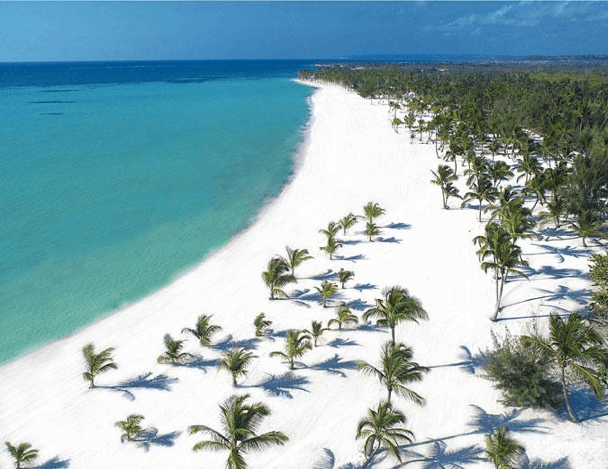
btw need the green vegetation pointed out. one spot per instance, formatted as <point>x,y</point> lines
<point>97,363</point>
<point>277,276</point>
<point>22,453</point>
<point>261,324</point>
<point>598,271</point>
<point>173,351</point>
<point>344,276</point>
<point>239,424</point>
<point>521,374</point>
<point>372,210</point>
<point>344,316</point>
<point>203,330</point>
<point>236,362</point>
<point>131,427</point>
<point>316,331</point>
<point>297,343</point>
<point>295,257</point>
<point>326,291</point>
<point>503,451</point>
<point>347,221</point>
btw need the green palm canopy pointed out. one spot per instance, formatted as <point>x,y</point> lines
<point>97,363</point>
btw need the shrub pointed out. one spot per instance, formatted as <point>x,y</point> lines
<point>598,271</point>
<point>521,374</point>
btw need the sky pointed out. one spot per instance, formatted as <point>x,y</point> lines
<point>110,30</point>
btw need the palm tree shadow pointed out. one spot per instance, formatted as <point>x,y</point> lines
<point>335,365</point>
<point>392,239</point>
<point>399,226</point>
<point>550,272</point>
<point>328,275</point>
<point>339,342</point>
<point>369,327</point>
<point>150,437</point>
<point>469,362</point>
<point>283,385</point>
<point>440,458</point>
<point>483,422</point>
<point>365,286</point>
<point>560,253</point>
<point>54,463</point>
<point>326,461</point>
<point>585,405</point>
<point>351,241</point>
<point>160,382</point>
<point>200,363</point>
<point>562,463</point>
<point>359,305</point>
<point>355,258</point>
<point>563,292</point>
<point>228,343</point>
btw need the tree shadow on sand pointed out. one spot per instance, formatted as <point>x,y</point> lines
<point>483,422</point>
<point>160,382</point>
<point>562,463</point>
<point>340,342</point>
<point>439,457</point>
<point>358,305</point>
<point>329,274</point>
<point>562,253</point>
<point>468,362</point>
<point>335,366</point>
<point>549,272</point>
<point>228,343</point>
<point>354,258</point>
<point>150,437</point>
<point>399,226</point>
<point>283,385</point>
<point>585,405</point>
<point>200,363</point>
<point>392,239</point>
<point>563,292</point>
<point>54,463</point>
<point>364,286</point>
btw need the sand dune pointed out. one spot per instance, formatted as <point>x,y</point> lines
<point>351,156</point>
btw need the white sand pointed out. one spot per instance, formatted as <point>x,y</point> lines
<point>352,156</point>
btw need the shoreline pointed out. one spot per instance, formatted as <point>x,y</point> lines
<point>351,156</point>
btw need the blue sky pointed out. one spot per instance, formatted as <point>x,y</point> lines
<point>70,31</point>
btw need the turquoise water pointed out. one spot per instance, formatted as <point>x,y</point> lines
<point>109,191</point>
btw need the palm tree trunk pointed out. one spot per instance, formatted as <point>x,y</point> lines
<point>499,286</point>
<point>390,392</point>
<point>234,385</point>
<point>566,398</point>
<point>393,335</point>
<point>479,210</point>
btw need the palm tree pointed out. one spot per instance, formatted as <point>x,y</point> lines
<point>482,190</point>
<point>371,229</point>
<point>331,247</point>
<point>344,276</point>
<point>383,428</point>
<point>327,290</point>
<point>396,122</point>
<point>396,370</point>
<point>502,450</point>
<point>587,224</point>
<point>505,257</point>
<point>97,363</point>
<point>236,362</point>
<point>396,307</point>
<point>23,453</point>
<point>528,166</point>
<point>240,422</point>
<point>331,231</point>
<point>203,330</point>
<point>373,210</point>
<point>576,346</point>
<point>261,324</point>
<point>131,428</point>
<point>347,221</point>
<point>500,171</point>
<point>277,276</point>
<point>443,178</point>
<point>295,257</point>
<point>173,351</point>
<point>316,331</point>
<point>296,345</point>
<point>343,316</point>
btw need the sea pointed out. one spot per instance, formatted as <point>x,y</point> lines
<point>117,177</point>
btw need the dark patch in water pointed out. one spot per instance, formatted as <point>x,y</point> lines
<point>57,91</point>
<point>51,113</point>
<point>53,102</point>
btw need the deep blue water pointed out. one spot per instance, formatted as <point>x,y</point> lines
<point>116,177</point>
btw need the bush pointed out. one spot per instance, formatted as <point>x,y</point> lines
<point>521,374</point>
<point>598,271</point>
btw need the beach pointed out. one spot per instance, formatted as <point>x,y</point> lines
<point>350,156</point>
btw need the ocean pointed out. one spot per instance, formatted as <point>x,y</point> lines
<point>116,177</point>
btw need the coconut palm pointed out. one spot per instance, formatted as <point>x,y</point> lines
<point>97,363</point>
<point>503,450</point>
<point>499,171</point>
<point>277,276</point>
<point>331,247</point>
<point>331,231</point>
<point>22,453</point>
<point>482,190</point>
<point>261,324</point>
<point>371,229</point>
<point>347,221</point>
<point>396,307</point>
<point>504,255</point>
<point>556,209</point>
<point>383,428</point>
<point>240,422</point>
<point>443,178</point>
<point>396,370</point>
<point>316,330</point>
<point>131,428</point>
<point>344,316</point>
<point>327,290</point>
<point>344,276</point>
<point>575,346</point>
<point>587,224</point>
<point>236,362</point>
<point>297,343</point>
<point>528,166</point>
<point>373,210</point>
<point>295,257</point>
<point>203,330</point>
<point>173,351</point>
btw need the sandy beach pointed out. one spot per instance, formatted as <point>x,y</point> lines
<point>351,156</point>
